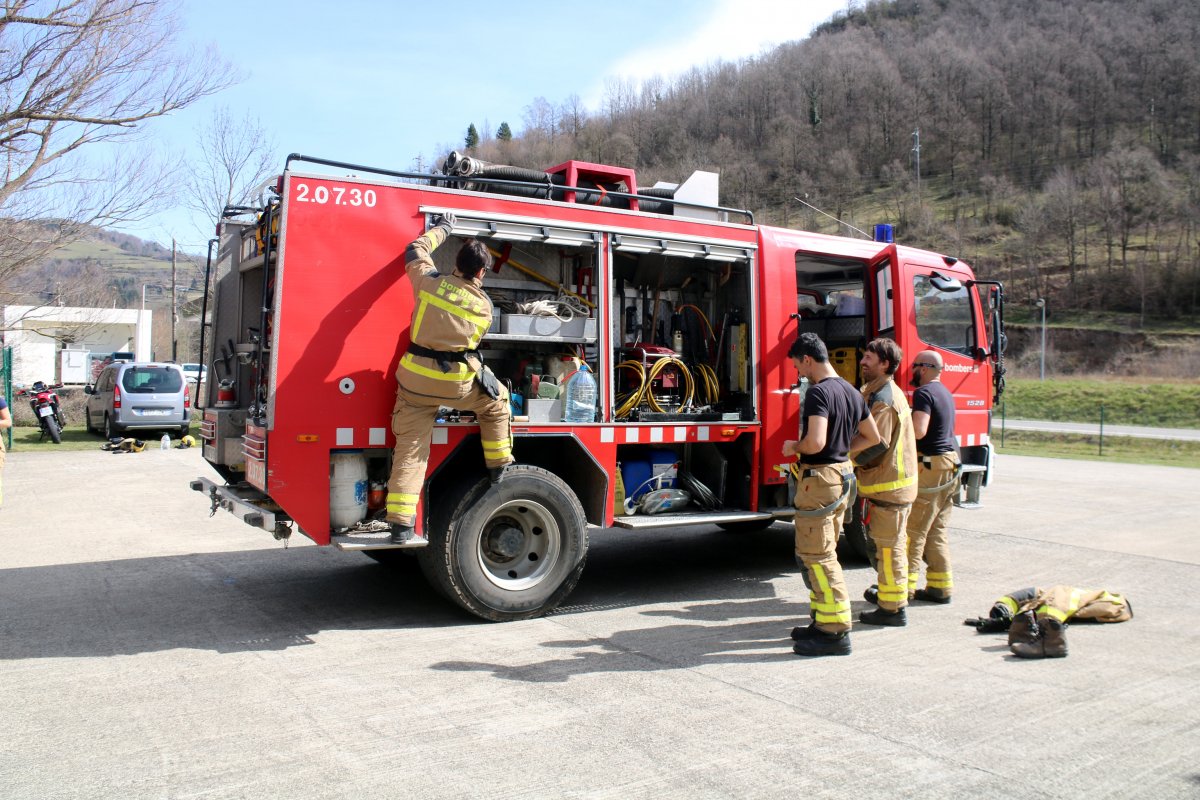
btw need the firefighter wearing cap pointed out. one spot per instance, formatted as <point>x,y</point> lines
<point>442,368</point>
<point>887,479</point>
<point>1036,619</point>
<point>937,481</point>
<point>834,420</point>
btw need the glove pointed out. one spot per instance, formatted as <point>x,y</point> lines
<point>449,220</point>
<point>989,624</point>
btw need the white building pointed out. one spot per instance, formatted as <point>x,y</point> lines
<point>35,334</point>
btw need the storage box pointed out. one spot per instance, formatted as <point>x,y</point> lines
<point>542,410</point>
<point>845,363</point>
<point>534,325</point>
<point>495,326</point>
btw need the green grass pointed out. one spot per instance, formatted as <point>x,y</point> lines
<point>25,440</point>
<point>1170,405</point>
<point>1117,449</point>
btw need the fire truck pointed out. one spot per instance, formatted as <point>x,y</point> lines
<point>679,310</point>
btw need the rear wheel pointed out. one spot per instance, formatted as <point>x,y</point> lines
<point>510,550</point>
<point>53,429</point>
<point>111,431</point>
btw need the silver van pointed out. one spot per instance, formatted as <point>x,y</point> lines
<point>129,396</point>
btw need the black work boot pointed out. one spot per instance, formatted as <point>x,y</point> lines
<point>816,642</point>
<point>880,616</point>
<point>932,596</point>
<point>1023,628</point>
<point>1054,638</point>
<point>871,595</point>
<point>401,534</point>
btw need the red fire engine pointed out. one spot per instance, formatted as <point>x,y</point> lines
<point>682,310</point>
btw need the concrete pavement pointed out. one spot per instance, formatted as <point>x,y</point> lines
<point>147,650</point>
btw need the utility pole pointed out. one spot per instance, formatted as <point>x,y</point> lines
<point>174,307</point>
<point>917,157</point>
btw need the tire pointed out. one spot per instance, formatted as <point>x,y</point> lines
<point>87,422</point>
<point>857,540</point>
<point>53,429</point>
<point>507,551</point>
<point>110,431</point>
<point>752,526</point>
<point>184,430</point>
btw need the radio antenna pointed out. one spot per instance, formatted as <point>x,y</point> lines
<point>831,216</point>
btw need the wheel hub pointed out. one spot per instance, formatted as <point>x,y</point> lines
<point>519,545</point>
<point>505,542</point>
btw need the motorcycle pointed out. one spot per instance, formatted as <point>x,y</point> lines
<point>44,402</point>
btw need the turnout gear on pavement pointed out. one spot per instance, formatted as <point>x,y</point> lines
<point>1047,640</point>
<point>441,368</point>
<point>887,479</point>
<point>1036,619</point>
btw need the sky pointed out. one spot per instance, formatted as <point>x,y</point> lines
<point>385,83</point>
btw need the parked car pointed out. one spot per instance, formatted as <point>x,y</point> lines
<point>129,396</point>
<point>196,373</point>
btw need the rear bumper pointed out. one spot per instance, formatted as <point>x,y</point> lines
<point>244,502</point>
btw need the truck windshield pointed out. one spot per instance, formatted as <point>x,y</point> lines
<point>943,318</point>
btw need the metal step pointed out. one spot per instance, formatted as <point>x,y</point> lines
<point>638,521</point>
<point>346,541</point>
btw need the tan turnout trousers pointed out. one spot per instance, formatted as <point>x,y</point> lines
<point>412,424</point>
<point>927,525</point>
<point>821,486</point>
<point>887,527</point>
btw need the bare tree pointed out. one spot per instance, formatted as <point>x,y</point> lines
<point>237,156</point>
<point>75,74</point>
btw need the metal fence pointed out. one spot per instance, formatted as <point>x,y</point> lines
<point>6,387</point>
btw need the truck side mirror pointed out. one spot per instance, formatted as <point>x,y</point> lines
<point>944,284</point>
<point>89,389</point>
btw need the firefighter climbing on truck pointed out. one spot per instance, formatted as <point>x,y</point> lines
<point>442,368</point>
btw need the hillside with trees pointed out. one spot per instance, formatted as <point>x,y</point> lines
<point>1059,141</point>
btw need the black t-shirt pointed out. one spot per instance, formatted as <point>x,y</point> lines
<point>844,407</point>
<point>936,401</point>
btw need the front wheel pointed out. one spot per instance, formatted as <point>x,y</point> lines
<point>510,550</point>
<point>53,429</point>
<point>858,540</point>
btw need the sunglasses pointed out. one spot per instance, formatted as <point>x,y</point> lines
<point>924,364</point>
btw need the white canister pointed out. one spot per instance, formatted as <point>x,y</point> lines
<point>347,488</point>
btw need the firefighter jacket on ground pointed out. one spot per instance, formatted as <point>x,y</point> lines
<point>887,478</point>
<point>450,316</point>
<point>1064,603</point>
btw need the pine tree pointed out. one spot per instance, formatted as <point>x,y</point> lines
<point>504,133</point>
<point>472,140</point>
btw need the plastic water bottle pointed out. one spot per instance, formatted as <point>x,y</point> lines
<point>579,404</point>
<point>165,442</point>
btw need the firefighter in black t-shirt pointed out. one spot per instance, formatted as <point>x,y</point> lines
<point>834,420</point>
<point>937,481</point>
